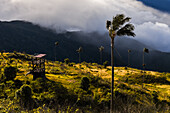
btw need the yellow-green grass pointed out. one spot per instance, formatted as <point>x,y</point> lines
<point>70,76</point>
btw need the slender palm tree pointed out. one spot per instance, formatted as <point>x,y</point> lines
<point>117,27</point>
<point>145,50</point>
<point>101,54</point>
<point>79,51</point>
<point>129,51</point>
<point>56,44</point>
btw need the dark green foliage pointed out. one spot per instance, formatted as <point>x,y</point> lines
<point>26,91</point>
<point>18,83</point>
<point>146,50</point>
<point>47,91</point>
<point>67,60</point>
<point>155,96</point>
<point>147,79</point>
<point>14,52</point>
<point>105,64</point>
<point>123,86</point>
<point>71,64</point>
<point>125,68</point>
<point>10,72</point>
<point>2,51</point>
<point>85,83</point>
<point>20,56</point>
<point>24,96</point>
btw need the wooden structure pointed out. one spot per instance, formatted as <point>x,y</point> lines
<point>38,66</point>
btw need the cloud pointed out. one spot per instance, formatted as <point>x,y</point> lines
<point>90,15</point>
<point>155,35</point>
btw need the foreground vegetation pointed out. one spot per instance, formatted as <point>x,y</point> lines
<point>79,88</point>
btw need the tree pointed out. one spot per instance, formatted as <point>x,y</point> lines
<point>85,83</point>
<point>67,60</point>
<point>129,51</point>
<point>117,28</point>
<point>56,44</point>
<point>101,54</point>
<point>145,50</point>
<point>105,64</point>
<point>10,72</point>
<point>79,51</point>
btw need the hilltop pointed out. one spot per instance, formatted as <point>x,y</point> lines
<point>64,91</point>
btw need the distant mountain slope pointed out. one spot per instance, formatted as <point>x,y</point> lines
<point>24,36</point>
<point>162,5</point>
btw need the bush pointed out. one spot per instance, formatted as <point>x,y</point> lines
<point>10,73</point>
<point>85,83</point>
<point>67,60</point>
<point>71,64</point>
<point>49,91</point>
<point>105,64</point>
<point>24,96</point>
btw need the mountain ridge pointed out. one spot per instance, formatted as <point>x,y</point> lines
<point>25,36</point>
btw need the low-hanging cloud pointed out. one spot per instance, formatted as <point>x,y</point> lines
<point>155,35</point>
<point>152,26</point>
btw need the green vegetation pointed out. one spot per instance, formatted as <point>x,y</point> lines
<point>85,83</point>
<point>75,88</point>
<point>10,73</point>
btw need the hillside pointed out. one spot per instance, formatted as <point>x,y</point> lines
<point>26,37</point>
<point>64,91</point>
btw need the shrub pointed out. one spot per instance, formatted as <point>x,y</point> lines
<point>15,52</point>
<point>2,51</point>
<point>67,60</point>
<point>10,73</point>
<point>49,90</point>
<point>18,83</point>
<point>71,64</point>
<point>85,83</point>
<point>24,96</point>
<point>105,64</point>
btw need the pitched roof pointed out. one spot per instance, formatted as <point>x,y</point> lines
<point>40,55</point>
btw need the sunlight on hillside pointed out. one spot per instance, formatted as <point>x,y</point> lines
<point>128,80</point>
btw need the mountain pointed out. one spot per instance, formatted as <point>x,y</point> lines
<point>162,5</point>
<point>25,36</point>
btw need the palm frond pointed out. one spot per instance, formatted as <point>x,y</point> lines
<point>101,48</point>
<point>118,21</point>
<point>126,30</point>
<point>108,24</point>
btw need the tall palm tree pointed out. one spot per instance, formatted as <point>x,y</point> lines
<point>129,51</point>
<point>79,51</point>
<point>145,50</point>
<point>101,54</point>
<point>56,44</point>
<point>117,27</point>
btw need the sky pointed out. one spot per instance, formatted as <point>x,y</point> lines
<point>152,27</point>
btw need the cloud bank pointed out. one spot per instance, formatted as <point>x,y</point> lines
<point>152,26</point>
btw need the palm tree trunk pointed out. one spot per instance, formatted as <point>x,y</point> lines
<point>143,68</point>
<point>79,58</point>
<point>101,57</point>
<point>55,52</point>
<point>128,60</point>
<point>112,86</point>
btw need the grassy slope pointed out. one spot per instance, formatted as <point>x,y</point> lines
<point>127,81</point>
